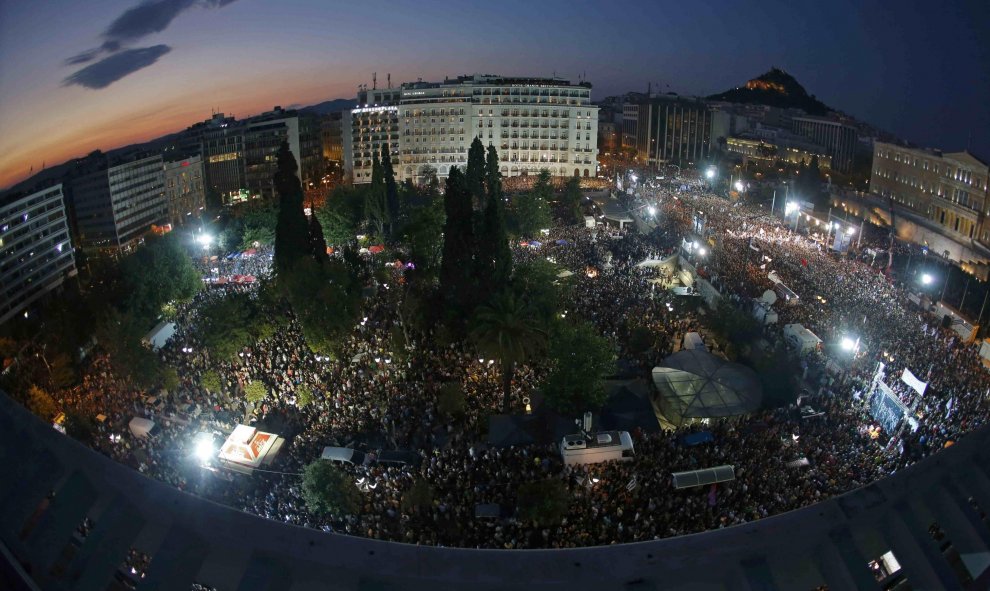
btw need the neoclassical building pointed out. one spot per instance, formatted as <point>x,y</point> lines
<point>534,123</point>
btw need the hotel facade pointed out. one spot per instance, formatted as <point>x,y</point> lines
<point>534,124</point>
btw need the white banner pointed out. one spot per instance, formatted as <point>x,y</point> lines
<point>908,378</point>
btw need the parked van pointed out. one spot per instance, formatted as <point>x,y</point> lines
<point>597,447</point>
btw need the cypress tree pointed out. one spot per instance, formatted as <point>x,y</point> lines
<point>494,258</point>
<point>317,242</point>
<point>291,233</point>
<point>458,241</point>
<point>374,204</point>
<point>391,203</point>
<point>476,173</point>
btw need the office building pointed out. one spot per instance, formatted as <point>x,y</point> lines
<point>331,137</point>
<point>949,189</point>
<point>838,139</point>
<point>240,156</point>
<point>184,192</point>
<point>534,123</point>
<point>118,202</point>
<point>36,253</point>
<point>670,129</point>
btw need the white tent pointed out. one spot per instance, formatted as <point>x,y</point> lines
<point>141,427</point>
<point>159,335</point>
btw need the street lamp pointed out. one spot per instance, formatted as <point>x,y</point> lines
<point>710,173</point>
<point>739,186</point>
<point>652,210</point>
<point>927,279</point>
<point>790,207</point>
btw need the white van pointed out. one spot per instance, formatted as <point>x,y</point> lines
<point>344,455</point>
<point>597,447</point>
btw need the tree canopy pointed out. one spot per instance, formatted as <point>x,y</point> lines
<point>581,359</point>
<point>544,502</point>
<point>531,210</point>
<point>158,272</point>
<point>508,329</point>
<point>328,489</point>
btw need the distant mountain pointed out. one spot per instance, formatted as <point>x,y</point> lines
<point>776,88</point>
<point>334,106</point>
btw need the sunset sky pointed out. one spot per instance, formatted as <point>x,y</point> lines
<point>76,76</point>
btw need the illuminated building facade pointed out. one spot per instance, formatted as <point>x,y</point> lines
<point>35,251</point>
<point>534,123</point>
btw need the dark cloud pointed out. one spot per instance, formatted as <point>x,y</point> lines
<point>81,58</point>
<point>111,69</point>
<point>147,18</point>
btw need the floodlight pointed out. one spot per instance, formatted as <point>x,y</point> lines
<point>926,279</point>
<point>205,449</point>
<point>848,344</point>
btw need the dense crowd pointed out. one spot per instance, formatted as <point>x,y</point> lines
<point>374,397</point>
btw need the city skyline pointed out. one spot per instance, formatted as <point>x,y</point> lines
<point>121,72</point>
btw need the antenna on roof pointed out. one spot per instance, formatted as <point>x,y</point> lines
<point>374,81</point>
<point>389,76</point>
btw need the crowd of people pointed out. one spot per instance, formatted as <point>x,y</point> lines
<point>376,395</point>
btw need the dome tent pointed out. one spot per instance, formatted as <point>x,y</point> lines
<point>695,384</point>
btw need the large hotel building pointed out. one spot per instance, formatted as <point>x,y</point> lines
<point>534,123</point>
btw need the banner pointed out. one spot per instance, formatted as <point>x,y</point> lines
<point>886,409</point>
<point>909,378</point>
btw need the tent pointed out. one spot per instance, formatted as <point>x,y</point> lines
<point>562,242</point>
<point>159,335</point>
<point>141,427</point>
<point>376,249</point>
<point>564,274</point>
<point>695,384</point>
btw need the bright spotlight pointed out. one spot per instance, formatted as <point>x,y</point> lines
<point>710,173</point>
<point>848,344</point>
<point>205,240</point>
<point>850,231</point>
<point>739,186</point>
<point>790,207</point>
<point>652,210</point>
<point>702,251</point>
<point>205,449</point>
<point>927,279</point>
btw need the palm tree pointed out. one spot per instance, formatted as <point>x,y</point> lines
<point>507,328</point>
